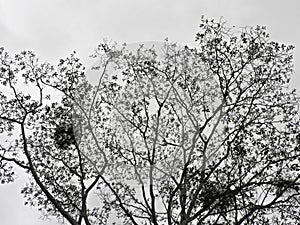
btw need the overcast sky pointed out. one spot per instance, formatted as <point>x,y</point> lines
<point>55,28</point>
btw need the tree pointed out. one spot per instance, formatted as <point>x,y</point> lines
<point>204,135</point>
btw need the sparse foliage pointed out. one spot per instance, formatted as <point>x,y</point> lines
<point>205,135</point>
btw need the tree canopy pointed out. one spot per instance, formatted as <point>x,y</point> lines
<point>193,135</point>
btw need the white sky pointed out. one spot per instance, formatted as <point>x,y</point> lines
<point>54,28</point>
